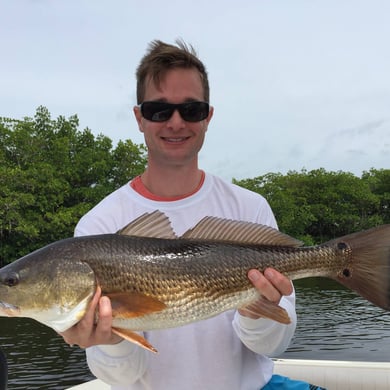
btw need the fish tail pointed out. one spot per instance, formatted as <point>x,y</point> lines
<point>368,268</point>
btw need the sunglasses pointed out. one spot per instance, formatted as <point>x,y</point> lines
<point>161,111</point>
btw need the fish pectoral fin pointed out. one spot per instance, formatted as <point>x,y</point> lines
<point>264,308</point>
<point>130,305</point>
<point>134,338</point>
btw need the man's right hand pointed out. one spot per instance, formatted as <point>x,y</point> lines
<point>87,332</point>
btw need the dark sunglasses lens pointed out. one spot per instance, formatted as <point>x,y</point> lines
<point>161,112</point>
<point>194,111</point>
<point>156,111</point>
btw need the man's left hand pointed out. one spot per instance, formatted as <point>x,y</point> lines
<point>271,284</point>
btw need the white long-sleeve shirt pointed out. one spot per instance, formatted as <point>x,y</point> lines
<point>227,352</point>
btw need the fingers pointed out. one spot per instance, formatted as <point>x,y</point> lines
<point>280,281</point>
<point>271,284</point>
<point>90,315</point>
<point>103,330</point>
<point>83,331</point>
<point>103,326</point>
<point>80,333</point>
<point>93,329</point>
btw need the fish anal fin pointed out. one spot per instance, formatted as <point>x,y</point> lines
<point>155,224</point>
<point>134,338</point>
<point>239,232</point>
<point>262,307</point>
<point>130,305</point>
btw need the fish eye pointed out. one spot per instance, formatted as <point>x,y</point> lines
<point>12,279</point>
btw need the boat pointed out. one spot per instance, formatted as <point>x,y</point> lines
<point>330,374</point>
<point>337,375</point>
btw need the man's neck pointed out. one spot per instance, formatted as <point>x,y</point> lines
<point>173,181</point>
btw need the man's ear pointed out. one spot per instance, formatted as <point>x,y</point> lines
<point>208,119</point>
<point>138,117</point>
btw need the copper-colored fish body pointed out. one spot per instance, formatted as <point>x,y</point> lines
<point>161,281</point>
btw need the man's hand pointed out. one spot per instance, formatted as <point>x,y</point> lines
<point>271,284</point>
<point>86,332</point>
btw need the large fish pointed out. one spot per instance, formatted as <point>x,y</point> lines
<point>156,280</point>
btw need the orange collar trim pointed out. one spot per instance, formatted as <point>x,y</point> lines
<point>137,185</point>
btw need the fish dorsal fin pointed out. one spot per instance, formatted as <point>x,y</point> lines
<point>239,232</point>
<point>155,224</point>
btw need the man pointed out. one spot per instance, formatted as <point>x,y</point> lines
<point>224,352</point>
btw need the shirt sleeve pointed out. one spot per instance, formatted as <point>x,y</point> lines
<point>265,336</point>
<point>119,364</point>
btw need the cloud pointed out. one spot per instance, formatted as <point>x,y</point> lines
<point>366,129</point>
<point>293,86</point>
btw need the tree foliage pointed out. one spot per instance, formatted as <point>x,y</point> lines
<point>317,205</point>
<point>51,173</point>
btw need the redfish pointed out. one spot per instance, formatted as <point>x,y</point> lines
<point>156,280</point>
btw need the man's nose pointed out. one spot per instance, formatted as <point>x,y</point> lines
<point>176,120</point>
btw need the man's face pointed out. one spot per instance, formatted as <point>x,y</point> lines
<point>174,141</point>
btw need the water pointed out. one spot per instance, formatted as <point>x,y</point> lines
<point>334,324</point>
<point>38,358</point>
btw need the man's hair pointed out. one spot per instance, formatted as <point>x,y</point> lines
<point>161,57</point>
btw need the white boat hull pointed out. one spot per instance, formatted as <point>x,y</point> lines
<point>331,374</point>
<point>337,375</point>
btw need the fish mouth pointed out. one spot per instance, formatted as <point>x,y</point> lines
<point>8,310</point>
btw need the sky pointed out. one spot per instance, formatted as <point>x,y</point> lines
<point>295,84</point>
